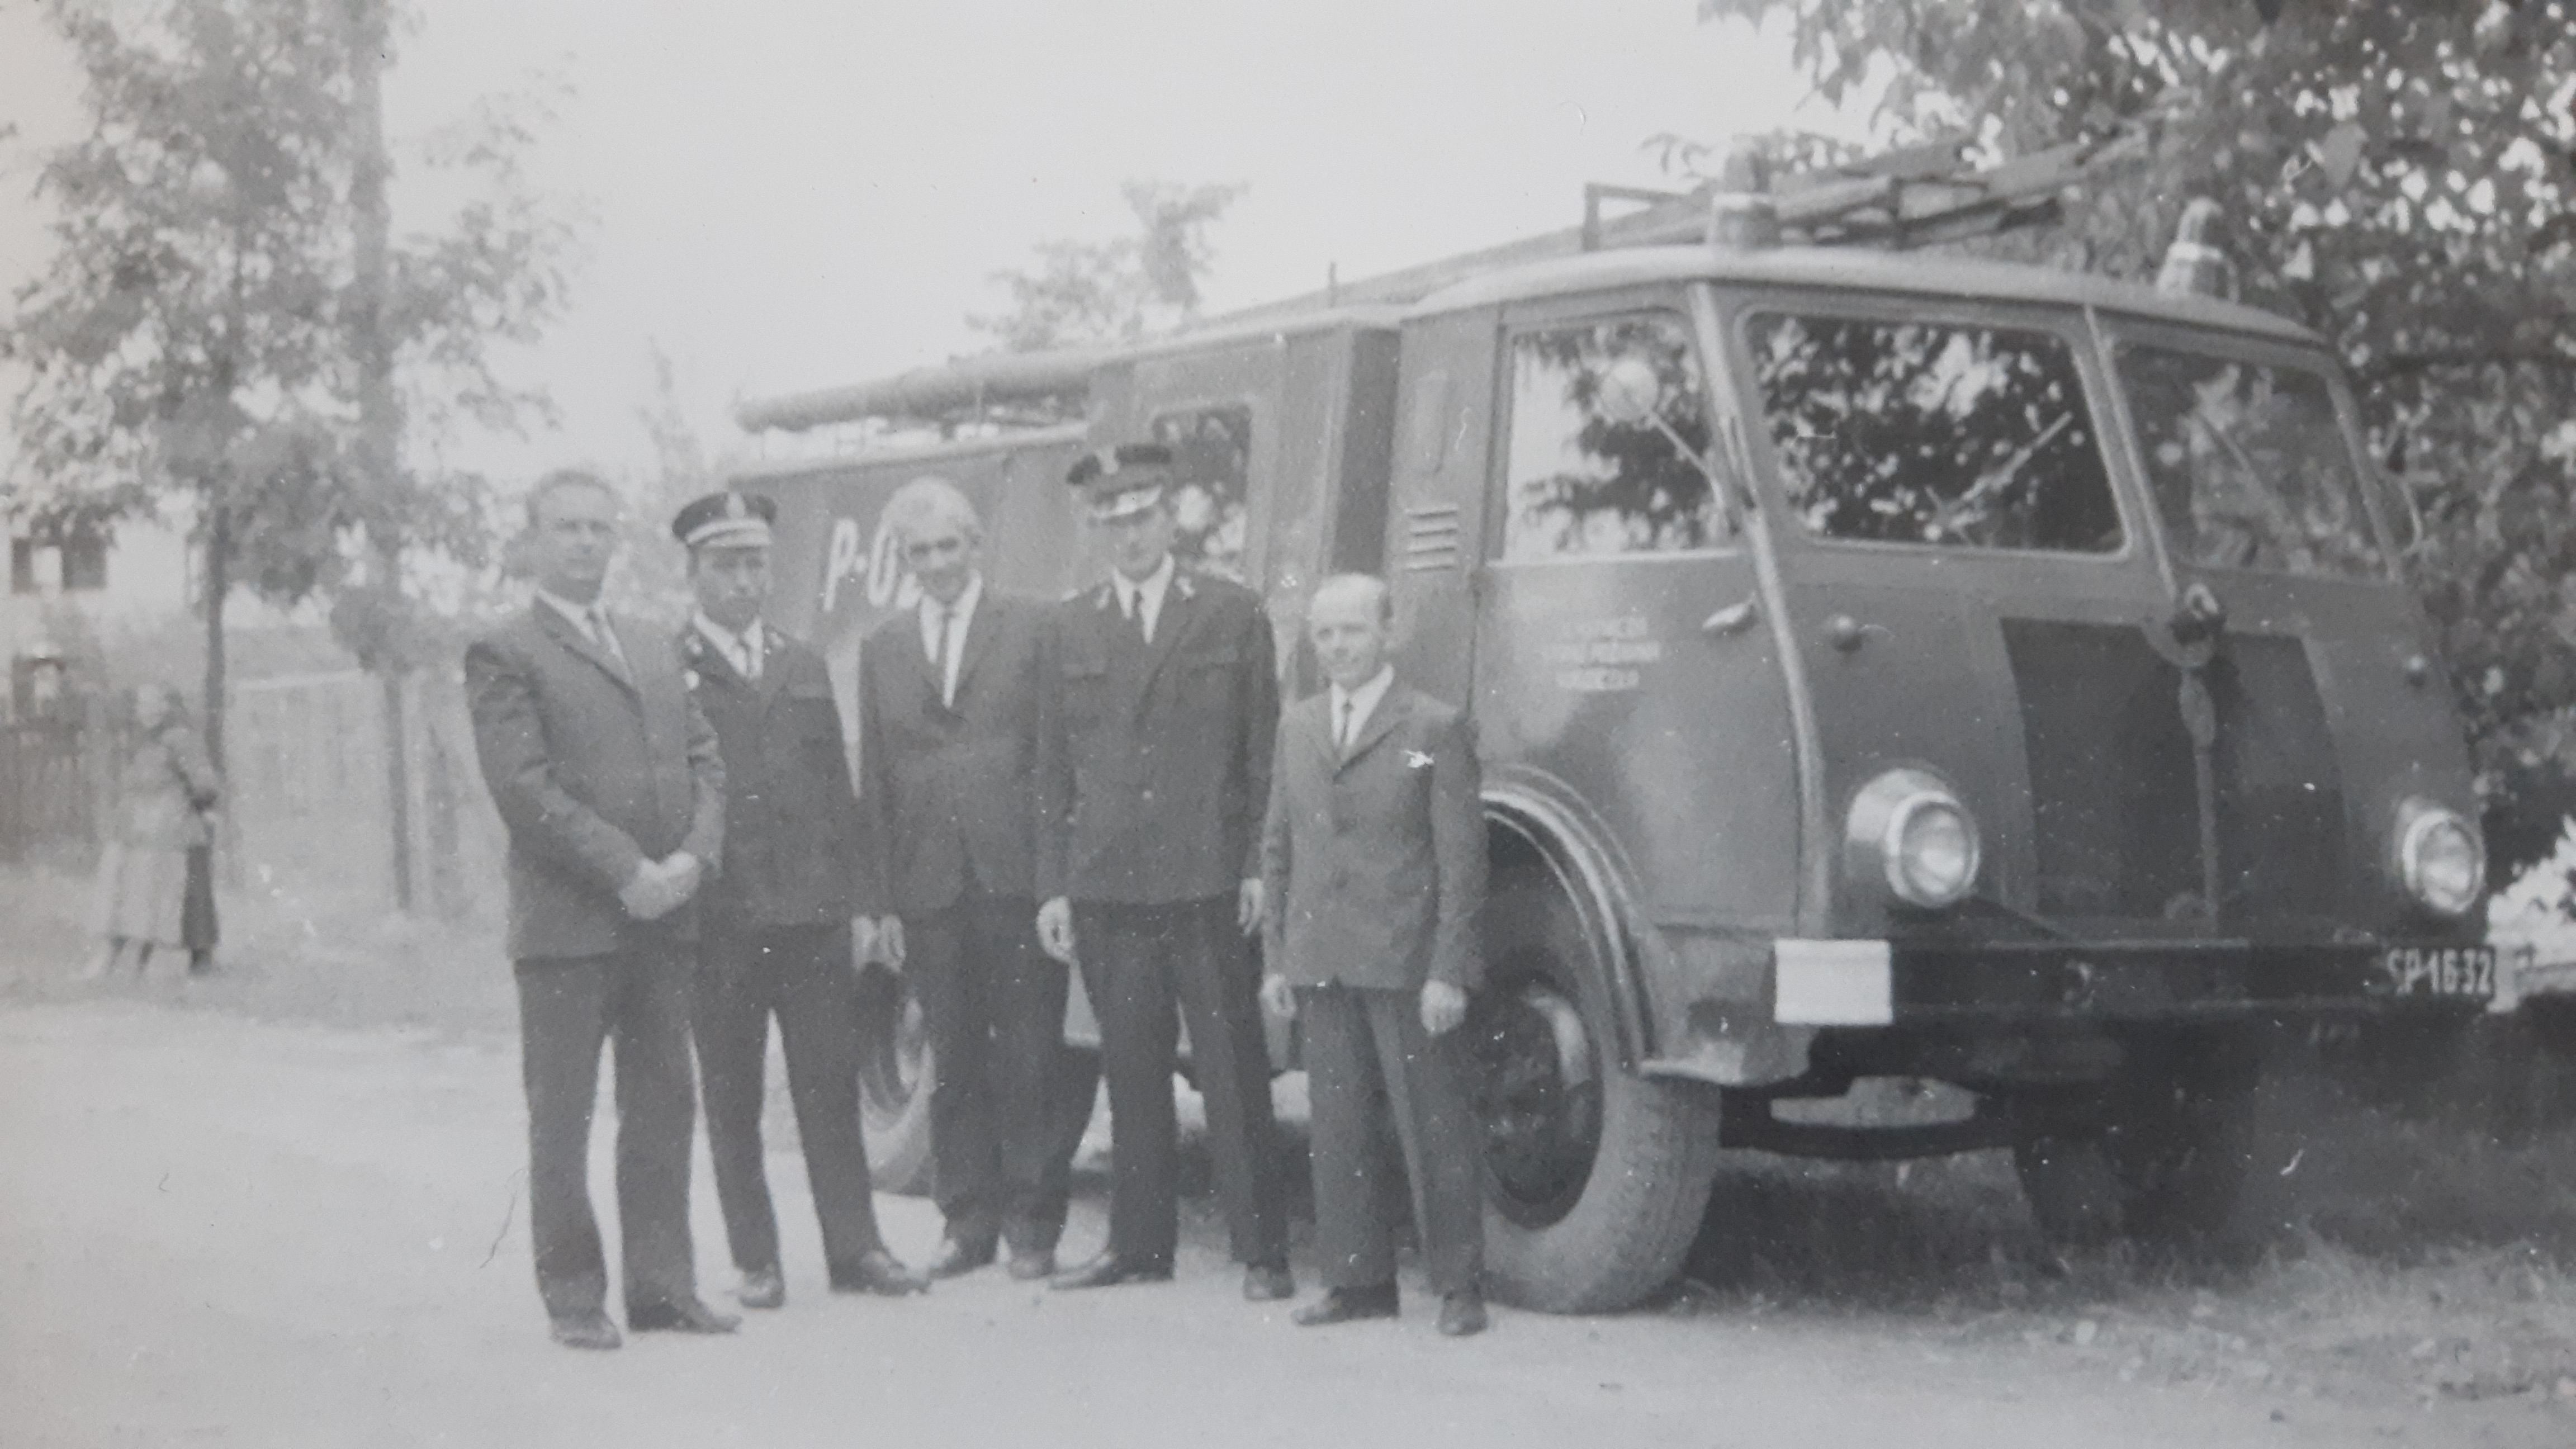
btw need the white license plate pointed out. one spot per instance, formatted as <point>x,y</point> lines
<point>2441,970</point>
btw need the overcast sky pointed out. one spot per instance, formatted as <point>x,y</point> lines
<point>789,196</point>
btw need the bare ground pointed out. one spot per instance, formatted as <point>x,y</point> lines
<point>280,1206</point>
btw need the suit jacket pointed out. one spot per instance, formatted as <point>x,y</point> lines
<point>1374,860</point>
<point>793,844</point>
<point>950,790</point>
<point>595,768</point>
<point>1154,760</point>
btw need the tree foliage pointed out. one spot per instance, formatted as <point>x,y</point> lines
<point>1121,290</point>
<point>2402,178</point>
<point>187,346</point>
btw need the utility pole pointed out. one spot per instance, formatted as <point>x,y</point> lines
<point>379,409</point>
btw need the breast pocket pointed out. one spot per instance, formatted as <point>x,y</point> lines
<point>1207,676</point>
<point>1082,685</point>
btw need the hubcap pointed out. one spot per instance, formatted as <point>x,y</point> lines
<point>1540,1098</point>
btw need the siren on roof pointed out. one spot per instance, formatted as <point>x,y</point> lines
<point>2195,263</point>
<point>1742,216</point>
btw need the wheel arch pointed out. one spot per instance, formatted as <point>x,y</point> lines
<point>1526,822</point>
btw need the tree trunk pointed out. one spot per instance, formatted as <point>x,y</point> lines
<point>218,584</point>
<point>379,411</point>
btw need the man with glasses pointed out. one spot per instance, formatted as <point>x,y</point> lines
<point>1153,769</point>
<point>948,719</point>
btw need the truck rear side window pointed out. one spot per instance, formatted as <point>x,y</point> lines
<point>2249,466</point>
<point>1211,457</point>
<point>1581,483</point>
<point>1933,433</point>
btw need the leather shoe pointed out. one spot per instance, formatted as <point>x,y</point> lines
<point>588,1330</point>
<point>1462,1314</point>
<point>1109,1270</point>
<point>685,1316</point>
<point>1030,1266</point>
<point>880,1272</point>
<point>1344,1305</point>
<point>761,1288</point>
<point>956,1256</point>
<point>1267,1283</point>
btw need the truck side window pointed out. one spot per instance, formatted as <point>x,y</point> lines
<point>2249,467</point>
<point>1933,433</point>
<point>1211,456</point>
<point>1579,482</point>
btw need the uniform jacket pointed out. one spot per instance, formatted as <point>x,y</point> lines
<point>950,791</point>
<point>793,846</point>
<point>595,769</point>
<point>1154,760</point>
<point>1374,860</point>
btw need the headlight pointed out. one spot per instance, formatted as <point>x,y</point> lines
<point>1909,836</point>
<point>2440,857</point>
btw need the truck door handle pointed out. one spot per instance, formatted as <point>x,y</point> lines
<point>1733,619</point>
<point>1847,633</point>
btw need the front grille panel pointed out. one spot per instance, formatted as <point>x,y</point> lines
<point>2112,784</point>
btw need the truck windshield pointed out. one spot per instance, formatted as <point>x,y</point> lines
<point>1933,433</point>
<point>2249,467</point>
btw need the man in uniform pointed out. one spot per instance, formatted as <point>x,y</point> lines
<point>607,776</point>
<point>1374,858</point>
<point>777,938</point>
<point>1153,763</point>
<point>948,709</point>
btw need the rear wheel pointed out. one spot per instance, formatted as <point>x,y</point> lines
<point>1595,1178</point>
<point>2160,1158</point>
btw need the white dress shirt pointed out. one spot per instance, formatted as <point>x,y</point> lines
<point>960,616</point>
<point>741,650</point>
<point>1352,707</point>
<point>591,619</point>
<point>1146,594</point>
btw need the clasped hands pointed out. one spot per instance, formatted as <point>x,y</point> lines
<point>660,887</point>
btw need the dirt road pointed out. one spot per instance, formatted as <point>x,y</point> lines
<point>218,1231</point>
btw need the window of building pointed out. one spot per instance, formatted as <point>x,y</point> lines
<point>2249,466</point>
<point>1933,433</point>
<point>84,560</point>
<point>1211,463</point>
<point>1579,482</point>
<point>22,566</point>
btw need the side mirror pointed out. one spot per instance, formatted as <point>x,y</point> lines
<point>1629,393</point>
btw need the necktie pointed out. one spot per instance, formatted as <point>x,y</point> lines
<point>746,655</point>
<point>1342,724</point>
<point>604,636</point>
<point>941,619</point>
<point>1136,613</point>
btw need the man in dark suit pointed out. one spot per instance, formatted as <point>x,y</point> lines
<point>1374,856</point>
<point>607,776</point>
<point>1153,762</point>
<point>777,937</point>
<point>948,708</point>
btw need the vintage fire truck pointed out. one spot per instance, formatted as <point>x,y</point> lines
<point>1886,665</point>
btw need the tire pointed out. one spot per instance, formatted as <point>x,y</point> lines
<point>1595,1178</point>
<point>895,1066</point>
<point>2159,1158</point>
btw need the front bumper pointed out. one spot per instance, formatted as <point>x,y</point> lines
<point>1890,983</point>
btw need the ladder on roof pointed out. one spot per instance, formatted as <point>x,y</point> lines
<point>1915,196</point>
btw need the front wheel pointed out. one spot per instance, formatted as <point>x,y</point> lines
<point>895,1073</point>
<point>1595,1178</point>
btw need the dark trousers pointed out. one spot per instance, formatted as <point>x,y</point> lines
<point>801,975</point>
<point>1135,961</point>
<point>994,1005</point>
<point>1368,1060</point>
<point>567,1007</point>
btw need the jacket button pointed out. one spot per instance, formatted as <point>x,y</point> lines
<point>1145,795</point>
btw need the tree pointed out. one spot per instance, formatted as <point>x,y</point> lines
<point>1122,290</point>
<point>201,343</point>
<point>2402,178</point>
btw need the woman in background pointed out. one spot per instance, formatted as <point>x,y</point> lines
<point>162,791</point>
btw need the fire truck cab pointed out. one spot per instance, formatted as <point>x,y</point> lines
<point>1884,666</point>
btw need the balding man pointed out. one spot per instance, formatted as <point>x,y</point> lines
<point>948,710</point>
<point>1373,857</point>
